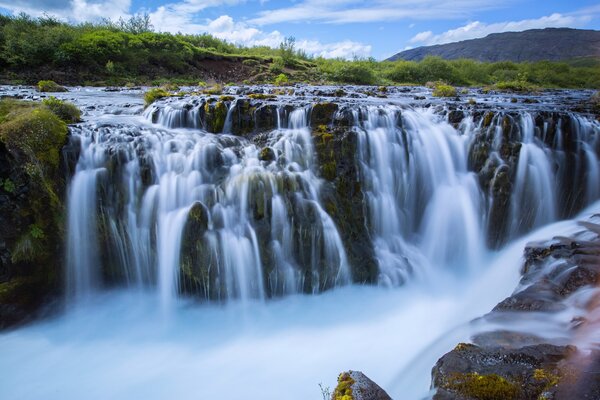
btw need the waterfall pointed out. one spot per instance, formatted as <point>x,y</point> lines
<point>225,217</point>
<point>189,211</point>
<point>424,205</point>
<point>428,209</point>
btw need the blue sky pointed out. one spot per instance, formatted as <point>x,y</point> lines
<point>332,28</point>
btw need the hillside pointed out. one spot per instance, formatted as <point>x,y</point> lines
<point>533,45</point>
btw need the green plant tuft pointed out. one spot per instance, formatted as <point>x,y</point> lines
<point>443,90</point>
<point>154,94</point>
<point>281,80</point>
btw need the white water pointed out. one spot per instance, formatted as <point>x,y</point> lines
<point>116,346</point>
<point>426,213</point>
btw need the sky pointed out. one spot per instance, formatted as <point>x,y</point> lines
<point>331,28</point>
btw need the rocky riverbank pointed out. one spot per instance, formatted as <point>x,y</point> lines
<point>559,284</point>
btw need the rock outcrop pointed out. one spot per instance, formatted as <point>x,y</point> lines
<point>508,364</point>
<point>354,385</point>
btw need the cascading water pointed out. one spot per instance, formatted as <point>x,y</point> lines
<point>424,204</point>
<point>165,210</point>
<point>155,181</point>
<point>427,208</point>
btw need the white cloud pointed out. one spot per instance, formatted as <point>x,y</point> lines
<point>479,29</point>
<point>345,11</point>
<point>422,37</point>
<point>71,10</point>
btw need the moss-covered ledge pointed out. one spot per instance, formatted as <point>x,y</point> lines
<point>32,192</point>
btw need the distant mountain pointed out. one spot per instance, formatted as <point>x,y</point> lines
<point>533,45</point>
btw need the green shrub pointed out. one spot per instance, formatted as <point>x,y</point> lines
<point>50,86</point>
<point>66,111</point>
<point>281,80</point>
<point>154,94</point>
<point>277,66</point>
<point>355,72</point>
<point>516,86</point>
<point>443,90</point>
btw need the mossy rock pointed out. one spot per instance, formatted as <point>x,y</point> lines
<point>50,86</point>
<point>267,154</point>
<point>262,96</point>
<point>32,215</point>
<point>442,90</point>
<point>343,390</point>
<point>482,387</point>
<point>322,114</point>
<point>39,134</point>
<point>66,111</point>
<point>354,385</point>
<point>154,94</point>
<point>215,115</point>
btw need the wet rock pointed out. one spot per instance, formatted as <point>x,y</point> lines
<point>267,154</point>
<point>513,365</point>
<point>354,385</point>
<point>343,198</point>
<point>456,116</point>
<point>474,372</point>
<point>322,114</point>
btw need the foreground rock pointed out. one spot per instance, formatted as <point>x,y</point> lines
<point>32,189</point>
<point>354,385</point>
<point>558,276</point>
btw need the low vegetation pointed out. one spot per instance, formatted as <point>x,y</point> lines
<point>443,90</point>
<point>154,94</point>
<point>130,52</point>
<point>50,86</point>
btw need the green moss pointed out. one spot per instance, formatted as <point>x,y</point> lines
<point>266,154</point>
<point>487,119</point>
<point>50,86</point>
<point>30,246</point>
<point>343,390</point>
<point>154,94</point>
<point>40,134</point>
<point>66,111</point>
<point>226,98</point>
<point>215,89</point>
<point>329,170</point>
<point>442,90</point>
<point>482,387</point>
<point>215,115</point>
<point>322,113</point>
<point>261,96</point>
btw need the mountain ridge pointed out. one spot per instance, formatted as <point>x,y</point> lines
<point>552,44</point>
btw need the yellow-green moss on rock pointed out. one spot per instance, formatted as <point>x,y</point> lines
<point>32,136</point>
<point>215,115</point>
<point>482,387</point>
<point>40,134</point>
<point>50,86</point>
<point>343,390</point>
<point>154,94</point>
